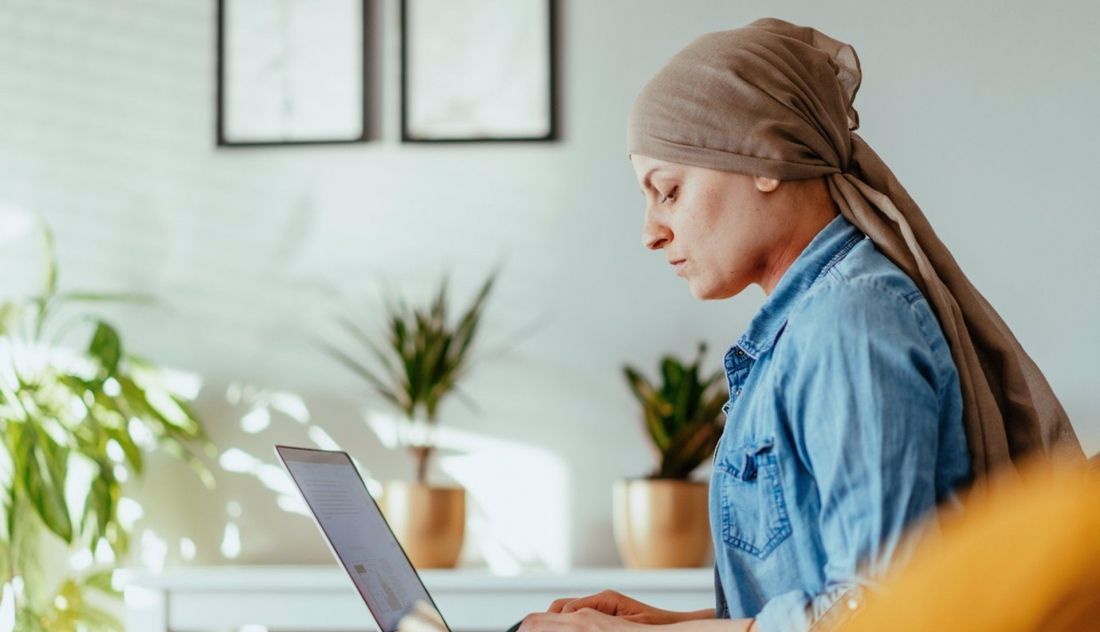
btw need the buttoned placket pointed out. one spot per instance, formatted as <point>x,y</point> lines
<point>738,364</point>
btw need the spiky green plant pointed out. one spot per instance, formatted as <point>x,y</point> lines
<point>73,419</point>
<point>419,361</point>
<point>683,416</point>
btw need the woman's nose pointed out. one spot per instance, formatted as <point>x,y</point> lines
<point>654,234</point>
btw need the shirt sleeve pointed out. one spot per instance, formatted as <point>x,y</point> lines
<point>862,395</point>
<point>721,608</point>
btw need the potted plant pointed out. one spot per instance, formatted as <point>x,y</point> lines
<point>75,422</point>
<point>661,520</point>
<point>415,365</point>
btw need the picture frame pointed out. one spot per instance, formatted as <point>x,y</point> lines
<point>292,72</point>
<point>478,71</point>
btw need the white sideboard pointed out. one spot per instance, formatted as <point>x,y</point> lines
<point>307,598</point>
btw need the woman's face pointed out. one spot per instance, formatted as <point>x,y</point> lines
<point>720,230</point>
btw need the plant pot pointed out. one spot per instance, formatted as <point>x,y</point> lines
<point>661,523</point>
<point>429,521</point>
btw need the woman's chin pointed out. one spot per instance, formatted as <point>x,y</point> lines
<point>701,290</point>
<point>710,292</point>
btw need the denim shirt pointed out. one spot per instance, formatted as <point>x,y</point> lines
<point>844,425</point>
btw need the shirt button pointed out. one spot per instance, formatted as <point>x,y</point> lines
<point>738,352</point>
<point>737,391</point>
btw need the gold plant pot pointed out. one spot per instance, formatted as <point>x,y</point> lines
<point>661,523</point>
<point>429,521</point>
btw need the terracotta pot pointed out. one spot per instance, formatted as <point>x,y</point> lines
<point>661,523</point>
<point>429,521</point>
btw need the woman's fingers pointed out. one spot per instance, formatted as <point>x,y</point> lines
<point>608,602</point>
<point>584,620</point>
<point>559,604</point>
<point>603,601</point>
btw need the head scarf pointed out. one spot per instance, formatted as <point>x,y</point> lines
<point>774,99</point>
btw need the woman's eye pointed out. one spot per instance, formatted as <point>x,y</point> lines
<point>668,197</point>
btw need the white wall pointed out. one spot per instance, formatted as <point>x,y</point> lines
<point>986,112</point>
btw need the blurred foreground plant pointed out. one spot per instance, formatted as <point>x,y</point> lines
<point>75,423</point>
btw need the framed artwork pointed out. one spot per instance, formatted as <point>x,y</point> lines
<point>291,72</point>
<point>478,70</point>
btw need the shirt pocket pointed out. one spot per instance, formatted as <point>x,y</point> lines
<point>754,512</point>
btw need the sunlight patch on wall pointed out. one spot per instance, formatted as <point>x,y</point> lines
<point>507,483</point>
<point>153,550</point>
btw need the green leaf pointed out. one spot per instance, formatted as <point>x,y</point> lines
<point>9,316</point>
<point>42,432</point>
<point>99,509</point>
<point>44,477</point>
<point>159,405</point>
<point>686,397</point>
<point>106,346</point>
<point>129,448</point>
<point>76,384</point>
<point>140,298</point>
<point>377,383</point>
<point>689,448</point>
<point>673,373</point>
<point>101,581</point>
<point>468,323</point>
<point>439,305</point>
<point>49,259</point>
<point>639,385</point>
<point>651,405</point>
<point>683,417</point>
<point>79,613</point>
<point>364,339</point>
<point>423,358</point>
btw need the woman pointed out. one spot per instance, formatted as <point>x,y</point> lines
<point>874,384</point>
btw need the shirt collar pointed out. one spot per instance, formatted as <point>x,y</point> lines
<point>823,252</point>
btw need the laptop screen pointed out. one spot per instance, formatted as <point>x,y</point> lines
<point>357,533</point>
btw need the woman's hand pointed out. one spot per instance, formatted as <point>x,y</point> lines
<point>583,620</point>
<point>616,604</point>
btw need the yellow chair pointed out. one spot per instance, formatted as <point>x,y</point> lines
<point>1024,556</point>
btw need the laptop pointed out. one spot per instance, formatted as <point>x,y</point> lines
<point>361,539</point>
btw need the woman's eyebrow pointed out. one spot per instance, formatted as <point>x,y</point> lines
<point>645,179</point>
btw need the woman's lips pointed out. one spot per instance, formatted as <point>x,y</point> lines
<point>679,266</point>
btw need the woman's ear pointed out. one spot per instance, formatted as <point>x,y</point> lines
<point>765,185</point>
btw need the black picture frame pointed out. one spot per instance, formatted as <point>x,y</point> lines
<point>227,136</point>
<point>409,135</point>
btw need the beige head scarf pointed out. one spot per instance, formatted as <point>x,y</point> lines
<point>775,99</point>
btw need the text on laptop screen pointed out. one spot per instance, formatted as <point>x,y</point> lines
<point>356,530</point>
